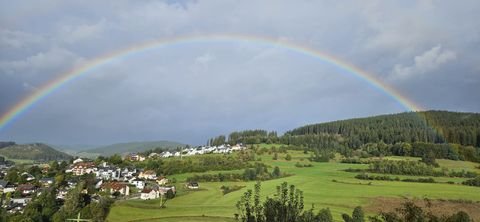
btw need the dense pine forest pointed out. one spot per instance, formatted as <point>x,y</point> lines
<point>428,126</point>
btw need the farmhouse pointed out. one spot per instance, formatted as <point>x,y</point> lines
<point>162,180</point>
<point>149,194</point>
<point>78,160</point>
<point>148,174</point>
<point>134,157</point>
<point>113,187</point>
<point>26,189</point>
<point>46,182</point>
<point>140,184</point>
<point>83,168</point>
<point>6,187</point>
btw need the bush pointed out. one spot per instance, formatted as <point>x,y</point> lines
<point>288,157</point>
<point>228,189</point>
<point>299,165</point>
<point>472,182</point>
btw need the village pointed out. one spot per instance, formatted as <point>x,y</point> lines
<point>109,179</point>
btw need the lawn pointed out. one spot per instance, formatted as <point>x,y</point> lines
<point>317,183</point>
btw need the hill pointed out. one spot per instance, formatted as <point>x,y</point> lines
<point>427,126</point>
<point>73,147</point>
<point>132,147</point>
<point>34,151</point>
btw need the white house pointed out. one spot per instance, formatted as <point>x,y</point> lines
<point>167,154</point>
<point>61,194</point>
<point>113,187</point>
<point>153,155</point>
<point>78,160</point>
<point>162,180</point>
<point>148,174</point>
<point>149,194</point>
<point>22,201</point>
<point>6,187</point>
<point>140,184</point>
<point>28,177</point>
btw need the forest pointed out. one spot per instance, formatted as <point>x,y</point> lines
<point>427,126</point>
<point>447,135</point>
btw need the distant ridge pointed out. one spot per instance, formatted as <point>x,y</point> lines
<point>132,147</point>
<point>33,151</point>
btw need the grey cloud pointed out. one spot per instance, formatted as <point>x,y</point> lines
<point>195,90</point>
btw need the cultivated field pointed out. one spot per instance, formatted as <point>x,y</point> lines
<point>324,185</point>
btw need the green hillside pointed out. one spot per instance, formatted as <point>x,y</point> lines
<point>34,151</point>
<point>428,126</point>
<point>324,185</point>
<point>132,147</point>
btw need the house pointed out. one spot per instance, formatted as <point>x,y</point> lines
<point>6,187</point>
<point>148,174</point>
<point>167,154</point>
<point>28,177</point>
<point>113,187</point>
<point>72,183</point>
<point>46,182</point>
<point>26,189</point>
<point>164,189</point>
<point>192,185</point>
<point>162,181</point>
<point>21,201</point>
<point>107,173</point>
<point>61,194</point>
<point>128,172</point>
<point>153,155</point>
<point>46,168</point>
<point>149,194</point>
<point>83,168</point>
<point>78,160</point>
<point>134,157</point>
<point>140,184</point>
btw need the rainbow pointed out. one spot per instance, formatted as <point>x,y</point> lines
<point>29,101</point>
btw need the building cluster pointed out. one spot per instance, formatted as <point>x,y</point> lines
<point>109,179</point>
<point>19,195</point>
<point>189,151</point>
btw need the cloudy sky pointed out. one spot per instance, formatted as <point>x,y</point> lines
<point>427,50</point>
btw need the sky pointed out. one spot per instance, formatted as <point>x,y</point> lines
<point>426,50</point>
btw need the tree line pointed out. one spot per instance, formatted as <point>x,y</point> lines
<point>258,172</point>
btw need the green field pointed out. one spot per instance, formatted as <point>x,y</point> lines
<point>317,183</point>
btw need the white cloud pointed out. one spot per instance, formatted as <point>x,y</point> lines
<point>72,34</point>
<point>428,61</point>
<point>52,59</point>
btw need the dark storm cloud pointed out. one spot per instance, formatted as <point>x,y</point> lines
<point>190,92</point>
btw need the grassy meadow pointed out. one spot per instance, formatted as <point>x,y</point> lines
<point>324,185</point>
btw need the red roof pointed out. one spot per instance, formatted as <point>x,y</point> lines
<point>114,185</point>
<point>146,190</point>
<point>84,164</point>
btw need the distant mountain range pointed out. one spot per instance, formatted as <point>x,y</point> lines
<point>33,151</point>
<point>131,147</point>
